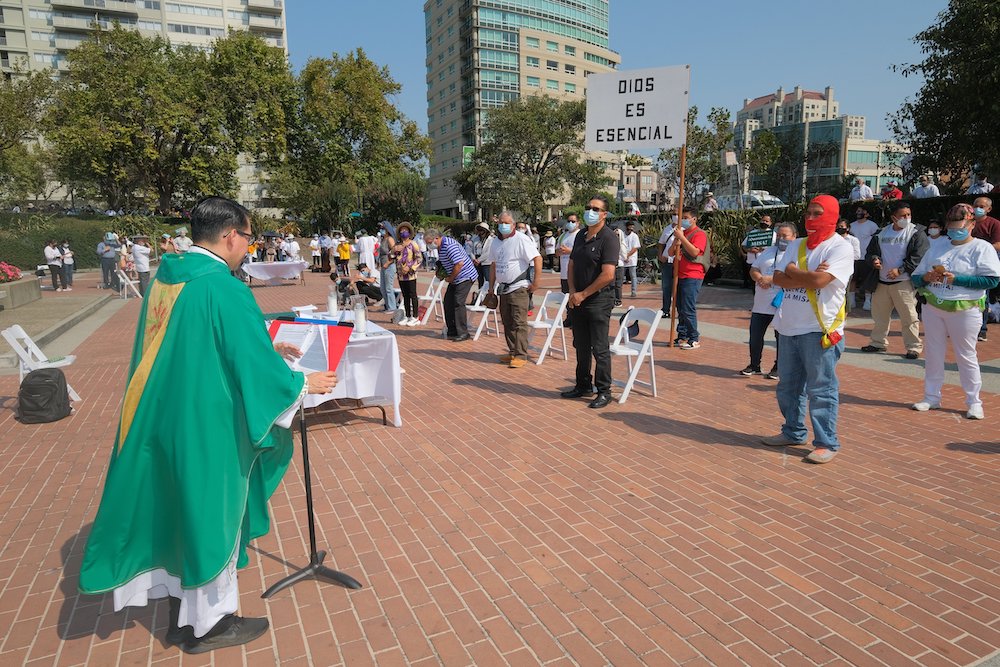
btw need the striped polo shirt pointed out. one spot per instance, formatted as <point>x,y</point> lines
<point>451,254</point>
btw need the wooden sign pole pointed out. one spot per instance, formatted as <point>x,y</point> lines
<point>677,253</point>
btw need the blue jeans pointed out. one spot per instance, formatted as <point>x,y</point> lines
<point>631,272</point>
<point>687,316</point>
<point>807,371</point>
<point>387,277</point>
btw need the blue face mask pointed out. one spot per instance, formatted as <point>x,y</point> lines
<point>570,226</point>
<point>979,211</point>
<point>504,229</point>
<point>958,234</point>
<point>782,244</point>
<point>591,217</point>
<point>685,223</point>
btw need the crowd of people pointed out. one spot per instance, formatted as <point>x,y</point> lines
<point>141,548</point>
<point>942,276</point>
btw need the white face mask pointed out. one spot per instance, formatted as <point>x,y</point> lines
<point>903,222</point>
<point>934,232</point>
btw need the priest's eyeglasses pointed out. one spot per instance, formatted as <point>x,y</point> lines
<point>247,235</point>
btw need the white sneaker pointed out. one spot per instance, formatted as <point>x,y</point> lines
<point>68,289</point>
<point>924,406</point>
<point>868,302</point>
<point>852,302</point>
<point>975,412</point>
<point>411,322</point>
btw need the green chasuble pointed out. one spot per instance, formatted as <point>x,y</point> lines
<point>197,453</point>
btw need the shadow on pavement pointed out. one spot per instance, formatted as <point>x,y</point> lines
<point>459,350</point>
<point>975,447</point>
<point>83,615</point>
<point>709,435</point>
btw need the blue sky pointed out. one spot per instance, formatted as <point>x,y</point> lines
<point>736,49</point>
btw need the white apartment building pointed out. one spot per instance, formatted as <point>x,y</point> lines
<point>39,33</point>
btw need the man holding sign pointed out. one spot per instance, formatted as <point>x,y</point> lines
<point>183,498</point>
<point>754,243</point>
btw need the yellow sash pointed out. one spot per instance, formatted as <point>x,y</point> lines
<point>830,335</point>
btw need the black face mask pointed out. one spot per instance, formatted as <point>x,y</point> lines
<point>764,225</point>
<point>842,230</point>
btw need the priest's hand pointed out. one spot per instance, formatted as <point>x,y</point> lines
<point>288,351</point>
<point>321,382</point>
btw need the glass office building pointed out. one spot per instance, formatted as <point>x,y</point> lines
<point>483,53</point>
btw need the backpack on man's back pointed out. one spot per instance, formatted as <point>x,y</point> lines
<point>43,397</point>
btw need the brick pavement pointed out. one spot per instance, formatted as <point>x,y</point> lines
<point>654,533</point>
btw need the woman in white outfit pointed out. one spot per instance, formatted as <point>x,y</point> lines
<point>954,277</point>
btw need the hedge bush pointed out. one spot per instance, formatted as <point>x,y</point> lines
<point>23,237</point>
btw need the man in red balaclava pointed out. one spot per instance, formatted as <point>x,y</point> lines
<point>810,320</point>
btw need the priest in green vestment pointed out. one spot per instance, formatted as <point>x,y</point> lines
<point>184,496</point>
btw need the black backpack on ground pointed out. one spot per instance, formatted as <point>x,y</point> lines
<point>43,397</point>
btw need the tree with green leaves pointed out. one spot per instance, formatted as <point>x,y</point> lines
<point>531,154</point>
<point>23,99</point>
<point>136,117</point>
<point>344,135</point>
<point>398,196</point>
<point>950,126</point>
<point>764,151</point>
<point>703,166</point>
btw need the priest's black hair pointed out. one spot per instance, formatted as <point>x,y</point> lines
<point>214,216</point>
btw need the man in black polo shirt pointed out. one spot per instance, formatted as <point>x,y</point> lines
<point>591,277</point>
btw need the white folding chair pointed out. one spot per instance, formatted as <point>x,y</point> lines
<point>549,317</point>
<point>31,358</point>
<point>432,298</point>
<point>624,347</point>
<point>484,321</point>
<point>125,284</point>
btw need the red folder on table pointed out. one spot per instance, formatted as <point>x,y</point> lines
<point>337,337</point>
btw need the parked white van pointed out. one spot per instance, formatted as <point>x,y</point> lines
<point>754,199</point>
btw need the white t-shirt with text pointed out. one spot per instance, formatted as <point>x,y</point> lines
<point>765,263</point>
<point>892,245</point>
<point>975,258</point>
<point>511,257</point>
<point>796,315</point>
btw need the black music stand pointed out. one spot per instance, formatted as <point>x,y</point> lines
<point>315,568</point>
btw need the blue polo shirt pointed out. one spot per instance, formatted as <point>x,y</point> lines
<point>451,254</point>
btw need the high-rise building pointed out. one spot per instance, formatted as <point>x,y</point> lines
<point>833,149</point>
<point>482,54</point>
<point>774,110</point>
<point>39,33</point>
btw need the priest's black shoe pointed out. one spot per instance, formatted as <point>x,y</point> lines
<point>602,400</point>
<point>177,636</point>
<point>577,392</point>
<point>232,630</point>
